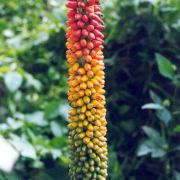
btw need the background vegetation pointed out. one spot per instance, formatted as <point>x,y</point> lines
<point>142,82</point>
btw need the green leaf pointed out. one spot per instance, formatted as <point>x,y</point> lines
<point>162,112</point>
<point>144,149</point>
<point>154,136</point>
<point>13,81</point>
<point>164,115</point>
<point>124,109</point>
<point>23,146</point>
<point>150,147</point>
<point>156,153</point>
<point>155,97</point>
<point>177,129</point>
<point>177,175</point>
<point>52,110</point>
<point>152,106</point>
<point>56,129</point>
<point>37,118</point>
<point>31,81</point>
<point>58,142</point>
<point>166,68</point>
<point>151,133</point>
<point>56,153</point>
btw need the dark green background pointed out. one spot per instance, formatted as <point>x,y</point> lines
<point>142,57</point>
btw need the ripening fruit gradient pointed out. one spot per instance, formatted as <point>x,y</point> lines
<point>87,123</point>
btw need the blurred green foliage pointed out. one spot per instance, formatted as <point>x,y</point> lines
<point>142,82</point>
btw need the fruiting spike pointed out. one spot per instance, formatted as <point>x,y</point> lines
<point>87,124</point>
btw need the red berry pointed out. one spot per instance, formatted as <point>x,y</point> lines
<point>98,34</point>
<point>80,24</point>
<point>71,13</point>
<point>101,47</point>
<point>85,32</point>
<point>94,23</point>
<point>83,42</point>
<point>89,10</point>
<point>72,4</point>
<point>71,20</point>
<point>99,39</point>
<point>91,15</point>
<point>97,1</point>
<point>90,27</point>
<point>81,4</point>
<point>74,26</point>
<point>96,17</point>
<point>91,36</point>
<point>85,18</point>
<point>78,16</point>
<point>74,38</point>
<point>97,8</point>
<point>96,43</point>
<point>100,27</point>
<point>91,2</point>
<point>77,33</point>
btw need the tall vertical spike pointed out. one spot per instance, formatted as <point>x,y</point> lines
<point>87,123</point>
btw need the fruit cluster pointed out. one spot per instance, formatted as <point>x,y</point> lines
<point>87,123</point>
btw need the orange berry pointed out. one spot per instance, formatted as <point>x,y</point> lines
<point>85,122</point>
<point>77,88</point>
<point>83,42</point>
<point>81,93</point>
<point>72,125</point>
<point>90,106</point>
<point>90,45</point>
<point>98,123</point>
<point>83,85</point>
<point>86,140</point>
<point>97,134</point>
<point>90,84</point>
<point>93,90</point>
<point>84,78</point>
<point>95,69</point>
<point>86,51</point>
<point>88,58</point>
<point>79,102</point>
<point>83,109</point>
<point>81,116</point>
<point>89,134</point>
<point>81,135</point>
<point>81,71</point>
<point>87,67</point>
<point>77,46</point>
<point>90,127</point>
<point>93,53</point>
<point>94,62</point>
<point>95,103</point>
<point>90,118</point>
<point>79,54</point>
<point>88,92</point>
<point>86,99</point>
<point>75,67</point>
<point>94,81</point>
<point>73,112</point>
<point>73,83</point>
<point>88,113</point>
<point>75,96</point>
<point>80,124</point>
<point>93,110</point>
<point>90,74</point>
